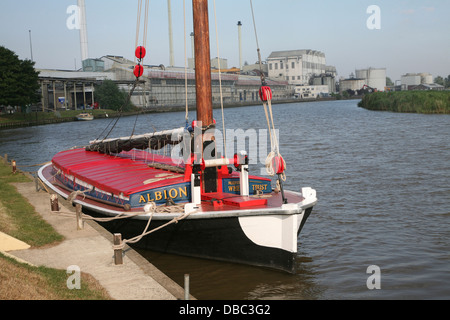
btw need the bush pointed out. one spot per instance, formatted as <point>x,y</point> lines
<point>429,102</point>
<point>109,96</point>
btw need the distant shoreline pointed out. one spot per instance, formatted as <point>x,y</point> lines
<point>69,116</point>
<point>424,102</point>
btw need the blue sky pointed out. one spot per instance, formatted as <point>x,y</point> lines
<point>414,35</point>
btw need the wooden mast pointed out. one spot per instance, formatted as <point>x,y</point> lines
<point>202,62</point>
<point>203,89</point>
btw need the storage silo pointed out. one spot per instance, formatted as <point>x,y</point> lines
<point>374,77</point>
<point>377,78</point>
<point>361,74</point>
<point>426,78</point>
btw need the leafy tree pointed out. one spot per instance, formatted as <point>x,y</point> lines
<point>19,81</point>
<point>443,81</point>
<point>389,82</point>
<point>439,80</point>
<point>109,96</point>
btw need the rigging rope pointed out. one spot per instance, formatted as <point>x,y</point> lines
<point>141,59</point>
<point>220,82</point>
<point>114,122</point>
<point>263,80</point>
<point>266,97</point>
<point>138,24</point>
<point>185,65</point>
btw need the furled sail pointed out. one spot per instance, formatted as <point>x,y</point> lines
<point>154,141</point>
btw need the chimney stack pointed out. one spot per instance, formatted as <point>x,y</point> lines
<point>240,44</point>
<point>83,31</point>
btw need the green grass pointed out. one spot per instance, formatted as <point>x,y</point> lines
<point>24,222</point>
<point>21,281</point>
<point>19,219</point>
<point>427,102</point>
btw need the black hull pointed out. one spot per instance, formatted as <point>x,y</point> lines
<point>220,239</point>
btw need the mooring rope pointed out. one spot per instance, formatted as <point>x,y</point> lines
<point>150,210</point>
<point>33,165</point>
<point>146,232</point>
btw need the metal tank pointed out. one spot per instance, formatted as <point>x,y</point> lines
<point>375,77</point>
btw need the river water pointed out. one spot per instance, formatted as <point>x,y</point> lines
<point>383,184</point>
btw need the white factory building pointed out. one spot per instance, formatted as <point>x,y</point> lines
<point>301,68</point>
<point>296,66</point>
<point>373,77</point>
<point>415,79</point>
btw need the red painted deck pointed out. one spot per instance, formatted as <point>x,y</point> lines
<point>115,174</point>
<point>131,174</point>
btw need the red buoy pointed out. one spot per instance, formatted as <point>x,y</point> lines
<point>140,52</point>
<point>138,71</point>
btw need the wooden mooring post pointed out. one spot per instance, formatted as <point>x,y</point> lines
<point>14,166</point>
<point>186,287</point>
<point>118,257</point>
<point>54,203</point>
<point>80,223</point>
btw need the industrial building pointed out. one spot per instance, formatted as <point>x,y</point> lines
<point>159,87</point>
<point>162,86</point>
<point>296,66</point>
<point>303,70</point>
<point>415,79</point>
<point>428,86</point>
<point>311,92</point>
<point>352,84</point>
<point>374,77</point>
<point>64,89</point>
<point>371,78</point>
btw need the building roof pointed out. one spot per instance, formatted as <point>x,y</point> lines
<point>294,53</point>
<point>426,86</point>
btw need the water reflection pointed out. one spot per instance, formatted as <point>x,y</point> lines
<point>212,280</point>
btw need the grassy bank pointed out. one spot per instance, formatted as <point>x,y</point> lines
<point>18,217</point>
<point>428,102</point>
<point>32,118</point>
<point>22,281</point>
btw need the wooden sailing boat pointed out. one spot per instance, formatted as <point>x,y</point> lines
<point>190,205</point>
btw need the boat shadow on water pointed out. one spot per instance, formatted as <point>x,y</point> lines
<point>215,280</point>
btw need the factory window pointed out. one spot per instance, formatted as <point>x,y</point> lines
<point>276,66</point>
<point>293,78</point>
<point>281,64</point>
<point>293,65</point>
